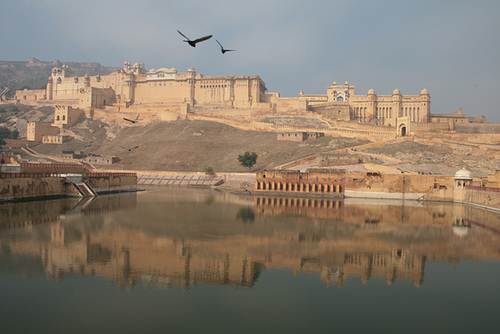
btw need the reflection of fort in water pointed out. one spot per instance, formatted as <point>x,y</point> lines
<point>335,238</point>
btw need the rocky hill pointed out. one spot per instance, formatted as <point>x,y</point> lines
<point>33,74</point>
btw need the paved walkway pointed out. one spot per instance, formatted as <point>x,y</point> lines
<point>179,180</point>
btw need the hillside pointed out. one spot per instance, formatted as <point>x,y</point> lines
<point>194,145</point>
<point>189,146</point>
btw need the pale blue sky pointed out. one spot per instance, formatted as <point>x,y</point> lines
<point>450,47</point>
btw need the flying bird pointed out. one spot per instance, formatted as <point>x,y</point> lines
<point>132,120</point>
<point>222,48</point>
<point>130,149</point>
<point>193,43</point>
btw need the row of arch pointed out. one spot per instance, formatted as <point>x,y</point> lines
<point>386,112</point>
<point>299,187</point>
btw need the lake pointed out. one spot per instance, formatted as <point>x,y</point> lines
<point>183,260</point>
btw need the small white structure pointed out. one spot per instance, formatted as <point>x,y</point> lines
<point>463,178</point>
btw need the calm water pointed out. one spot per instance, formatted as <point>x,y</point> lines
<point>173,260</point>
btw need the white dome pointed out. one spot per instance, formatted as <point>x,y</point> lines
<point>463,174</point>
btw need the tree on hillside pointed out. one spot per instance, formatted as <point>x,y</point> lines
<point>210,171</point>
<point>247,159</point>
<point>6,133</point>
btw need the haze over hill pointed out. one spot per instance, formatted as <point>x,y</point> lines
<point>33,74</point>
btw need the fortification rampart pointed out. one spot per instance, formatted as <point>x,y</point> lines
<point>377,185</point>
<point>112,182</point>
<point>55,180</point>
<point>483,197</point>
<point>145,114</point>
<point>260,126</point>
<point>30,185</point>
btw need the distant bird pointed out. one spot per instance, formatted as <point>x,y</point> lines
<point>131,148</point>
<point>222,48</point>
<point>132,120</point>
<point>249,192</point>
<point>88,144</point>
<point>193,43</point>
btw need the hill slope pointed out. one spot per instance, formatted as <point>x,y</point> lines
<point>189,146</point>
<point>193,145</point>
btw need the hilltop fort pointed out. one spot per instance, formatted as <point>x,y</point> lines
<point>166,94</point>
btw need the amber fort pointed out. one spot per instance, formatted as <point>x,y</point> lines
<point>166,94</point>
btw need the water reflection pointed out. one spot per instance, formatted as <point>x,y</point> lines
<point>164,237</point>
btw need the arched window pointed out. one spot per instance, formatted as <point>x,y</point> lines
<point>340,99</point>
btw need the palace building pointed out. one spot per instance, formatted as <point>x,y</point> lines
<point>340,102</point>
<point>133,85</point>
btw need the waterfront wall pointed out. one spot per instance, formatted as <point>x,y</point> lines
<point>28,185</point>
<point>375,185</point>
<point>23,186</point>
<point>482,197</point>
<point>363,185</point>
<point>403,186</point>
<point>112,182</point>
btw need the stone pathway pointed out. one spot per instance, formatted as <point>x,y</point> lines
<point>179,180</point>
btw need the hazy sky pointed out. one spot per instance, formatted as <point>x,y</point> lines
<point>450,47</point>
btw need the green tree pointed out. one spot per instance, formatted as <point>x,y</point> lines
<point>210,171</point>
<point>247,159</point>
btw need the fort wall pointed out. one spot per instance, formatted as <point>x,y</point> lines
<point>52,181</point>
<point>28,95</point>
<point>112,182</point>
<point>376,185</point>
<point>30,185</point>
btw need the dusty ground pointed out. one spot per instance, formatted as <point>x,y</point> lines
<point>188,146</point>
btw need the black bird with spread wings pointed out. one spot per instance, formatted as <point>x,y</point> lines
<point>193,43</point>
<point>222,48</point>
<point>132,120</point>
<point>130,148</point>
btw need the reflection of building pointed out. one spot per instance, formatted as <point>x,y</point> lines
<point>299,207</point>
<point>333,238</point>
